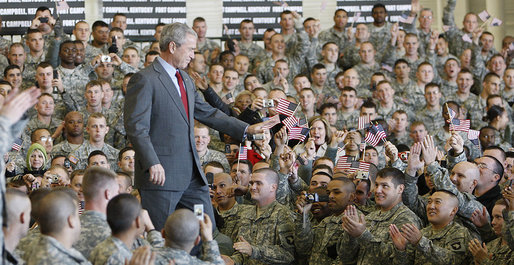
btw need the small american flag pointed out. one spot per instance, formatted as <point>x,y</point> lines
<point>363,122</point>
<point>460,125</point>
<point>290,122</point>
<point>374,135</point>
<point>271,122</point>
<point>16,146</point>
<point>451,113</point>
<point>473,137</point>
<point>298,133</point>
<point>352,165</point>
<point>243,154</point>
<point>286,107</point>
<point>405,18</point>
<point>303,122</point>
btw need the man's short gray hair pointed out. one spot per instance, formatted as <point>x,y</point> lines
<point>175,32</point>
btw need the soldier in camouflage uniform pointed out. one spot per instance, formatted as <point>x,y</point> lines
<point>337,33</point>
<point>226,205</point>
<point>387,105</point>
<point>59,223</point>
<point>246,45</point>
<point>209,48</point>
<point>430,115</point>
<point>498,251</point>
<point>295,58</point>
<point>442,241</point>
<point>454,35</point>
<point>122,212</point>
<point>74,128</point>
<point>367,65</point>
<point>266,229</point>
<point>320,241</point>
<point>93,221</point>
<point>186,222</point>
<point>367,240</point>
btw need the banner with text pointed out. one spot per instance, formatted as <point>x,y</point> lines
<point>264,14</point>
<point>143,15</point>
<point>17,15</point>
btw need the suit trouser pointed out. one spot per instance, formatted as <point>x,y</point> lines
<point>161,203</point>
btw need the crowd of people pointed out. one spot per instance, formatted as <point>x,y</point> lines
<point>436,190</point>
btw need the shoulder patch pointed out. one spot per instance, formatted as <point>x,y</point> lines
<point>456,246</point>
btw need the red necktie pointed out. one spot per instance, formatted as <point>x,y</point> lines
<point>183,94</point>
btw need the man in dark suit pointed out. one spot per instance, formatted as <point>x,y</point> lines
<point>160,107</point>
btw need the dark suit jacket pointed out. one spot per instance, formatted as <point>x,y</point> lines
<point>160,131</point>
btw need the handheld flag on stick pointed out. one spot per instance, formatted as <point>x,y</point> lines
<point>375,134</point>
<point>460,125</point>
<point>16,146</point>
<point>286,107</point>
<point>243,153</point>
<point>473,137</point>
<point>298,133</point>
<point>290,122</point>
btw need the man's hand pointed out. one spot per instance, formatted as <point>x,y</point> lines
<point>353,223</point>
<point>429,150</point>
<point>257,128</point>
<point>391,151</point>
<point>15,105</point>
<point>301,203</point>
<point>310,149</point>
<point>337,138</point>
<point>479,251</point>
<point>157,175</point>
<point>58,83</point>
<point>479,218</point>
<point>115,59</point>
<point>286,161</point>
<point>142,256</point>
<point>206,228</point>
<point>227,260</point>
<point>508,196</point>
<point>200,83</point>
<point>456,142</point>
<point>411,233</point>
<point>434,36</point>
<point>243,246</point>
<point>398,240</point>
<point>35,23</point>
<point>414,162</point>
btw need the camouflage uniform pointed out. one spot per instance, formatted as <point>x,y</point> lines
<point>208,45</point>
<point>86,148</point>
<point>51,251</point>
<point>350,57</point>
<point>63,148</point>
<point>212,155</point>
<point>111,251</point>
<point>252,51</point>
<point>34,123</point>
<point>375,246</point>
<point>448,88</point>
<point>476,111</point>
<point>3,61</point>
<point>332,35</point>
<point>331,79</point>
<point>441,179</point>
<point>270,234</point>
<point>402,89</point>
<point>27,244</point>
<point>368,208</point>
<point>74,82</point>
<point>446,246</point>
<point>433,120</point>
<point>501,254</point>
<point>29,68</point>
<point>210,255</point>
<point>94,229</point>
<point>441,136</point>
<point>463,103</point>
<point>400,139</point>
<point>92,51</point>
<point>4,46</point>
<point>319,241</point>
<point>347,120</point>
<point>231,221</point>
<point>454,35</point>
<point>365,73</point>
<point>380,37</point>
<point>387,114</point>
<point>295,59</point>
<point>508,227</point>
